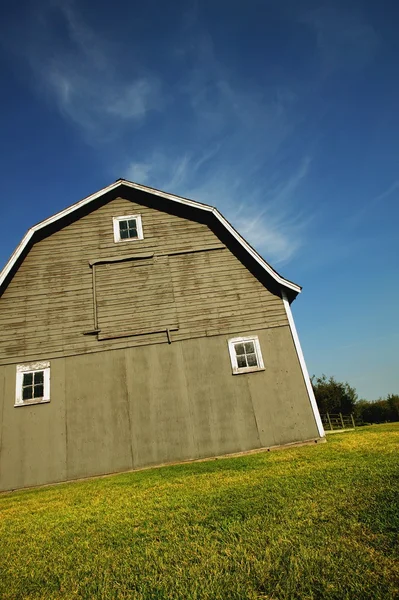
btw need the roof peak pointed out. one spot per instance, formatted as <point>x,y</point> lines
<point>296,289</point>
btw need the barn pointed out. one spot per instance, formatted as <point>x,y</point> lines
<point>139,328</point>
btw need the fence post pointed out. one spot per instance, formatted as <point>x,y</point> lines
<point>329,420</point>
<point>353,421</point>
<point>342,421</point>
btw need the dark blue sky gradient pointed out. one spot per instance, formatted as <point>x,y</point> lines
<point>284,115</point>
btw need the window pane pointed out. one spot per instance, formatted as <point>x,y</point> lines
<point>122,225</point>
<point>124,234</point>
<point>241,362</point>
<point>249,348</point>
<point>132,224</point>
<point>27,379</point>
<point>38,391</point>
<point>133,233</point>
<point>38,377</point>
<point>239,349</point>
<point>27,393</point>
<point>252,362</point>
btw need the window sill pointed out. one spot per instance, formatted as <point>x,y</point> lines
<point>31,402</point>
<point>247,370</point>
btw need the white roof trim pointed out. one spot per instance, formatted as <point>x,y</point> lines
<point>304,369</point>
<point>63,213</point>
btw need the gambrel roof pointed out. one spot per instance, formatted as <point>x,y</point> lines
<point>29,237</point>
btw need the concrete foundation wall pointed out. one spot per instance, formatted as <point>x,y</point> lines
<point>129,408</point>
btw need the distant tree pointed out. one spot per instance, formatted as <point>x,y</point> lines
<point>378,411</point>
<point>374,412</point>
<point>361,410</point>
<point>393,403</point>
<point>334,396</point>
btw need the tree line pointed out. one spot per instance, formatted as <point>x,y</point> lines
<point>335,397</point>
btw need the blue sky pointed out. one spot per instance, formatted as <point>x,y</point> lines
<point>283,114</point>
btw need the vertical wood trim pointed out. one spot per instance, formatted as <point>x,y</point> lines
<point>301,359</point>
<point>126,382</point>
<point>93,272</point>
<point>3,372</point>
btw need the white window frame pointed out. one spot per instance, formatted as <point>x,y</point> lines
<point>233,356</point>
<point>117,233</point>
<point>32,368</point>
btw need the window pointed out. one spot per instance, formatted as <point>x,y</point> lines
<point>33,384</point>
<point>245,355</point>
<point>128,228</point>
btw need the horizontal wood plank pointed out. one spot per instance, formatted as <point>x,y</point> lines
<point>205,291</point>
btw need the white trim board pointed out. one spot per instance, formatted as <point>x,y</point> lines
<point>304,369</point>
<point>117,233</point>
<point>32,368</point>
<point>233,355</point>
<point>123,182</point>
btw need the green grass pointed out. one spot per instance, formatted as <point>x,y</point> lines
<point>308,522</point>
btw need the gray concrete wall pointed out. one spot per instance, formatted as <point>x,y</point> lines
<point>124,409</point>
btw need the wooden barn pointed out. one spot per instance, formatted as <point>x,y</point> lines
<point>139,328</point>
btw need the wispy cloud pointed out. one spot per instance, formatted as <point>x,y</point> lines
<point>160,170</point>
<point>344,38</point>
<point>235,156</point>
<point>388,192</point>
<point>75,69</point>
<point>221,140</point>
<point>357,218</point>
<point>139,172</point>
<point>135,101</point>
<point>268,216</point>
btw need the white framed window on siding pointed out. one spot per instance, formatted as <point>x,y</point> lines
<point>245,355</point>
<point>33,384</point>
<point>128,228</point>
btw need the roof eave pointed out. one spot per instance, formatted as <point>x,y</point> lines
<point>293,287</point>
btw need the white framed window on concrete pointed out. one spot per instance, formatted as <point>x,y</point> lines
<point>245,355</point>
<point>33,384</point>
<point>127,228</point>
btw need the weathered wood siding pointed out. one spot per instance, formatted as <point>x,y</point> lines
<point>135,297</point>
<point>206,291</point>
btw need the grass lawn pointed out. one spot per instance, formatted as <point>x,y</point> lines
<point>309,522</point>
